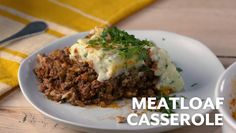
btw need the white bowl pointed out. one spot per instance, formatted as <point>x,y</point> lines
<point>224,89</point>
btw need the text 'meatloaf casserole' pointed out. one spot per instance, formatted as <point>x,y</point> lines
<point>108,64</point>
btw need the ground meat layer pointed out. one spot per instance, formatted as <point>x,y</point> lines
<point>65,80</point>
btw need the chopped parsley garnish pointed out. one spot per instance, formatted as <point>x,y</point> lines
<point>126,44</point>
<point>103,90</point>
<point>194,84</point>
<point>166,66</point>
<point>183,97</point>
<point>86,54</point>
<point>172,82</point>
<point>179,69</point>
<point>169,103</point>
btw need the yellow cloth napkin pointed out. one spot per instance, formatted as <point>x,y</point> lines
<point>64,17</point>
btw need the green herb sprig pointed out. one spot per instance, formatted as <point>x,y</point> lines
<point>169,103</point>
<point>126,44</point>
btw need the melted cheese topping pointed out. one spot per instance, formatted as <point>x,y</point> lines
<point>109,64</point>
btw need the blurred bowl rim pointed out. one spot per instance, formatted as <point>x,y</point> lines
<point>220,92</point>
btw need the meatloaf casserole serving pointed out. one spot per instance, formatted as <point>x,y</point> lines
<point>107,65</point>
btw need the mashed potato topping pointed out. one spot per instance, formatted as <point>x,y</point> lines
<point>112,55</point>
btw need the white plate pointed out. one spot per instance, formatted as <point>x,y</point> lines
<point>199,66</point>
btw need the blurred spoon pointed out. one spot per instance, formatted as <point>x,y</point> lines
<point>29,30</point>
